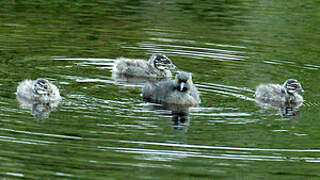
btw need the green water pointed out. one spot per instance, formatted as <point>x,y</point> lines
<point>103,130</point>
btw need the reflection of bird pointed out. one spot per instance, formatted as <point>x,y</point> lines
<point>180,91</point>
<point>179,119</point>
<point>40,109</point>
<point>289,111</point>
<point>40,90</point>
<point>158,66</point>
<point>280,95</point>
<point>179,113</point>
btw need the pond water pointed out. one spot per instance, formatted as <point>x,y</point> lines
<point>102,129</point>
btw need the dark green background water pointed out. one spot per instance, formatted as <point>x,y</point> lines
<point>102,129</point>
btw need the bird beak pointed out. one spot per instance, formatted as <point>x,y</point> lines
<point>182,85</point>
<point>172,66</point>
<point>48,90</point>
<point>301,90</point>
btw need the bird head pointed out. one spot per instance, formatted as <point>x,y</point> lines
<point>183,81</point>
<point>292,86</point>
<point>161,62</point>
<point>42,87</point>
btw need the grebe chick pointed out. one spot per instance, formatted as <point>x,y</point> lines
<point>180,91</point>
<point>158,66</point>
<point>40,90</point>
<point>280,95</point>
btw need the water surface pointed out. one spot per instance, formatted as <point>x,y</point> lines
<point>102,128</point>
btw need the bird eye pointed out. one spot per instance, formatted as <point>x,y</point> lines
<point>159,58</point>
<point>188,81</point>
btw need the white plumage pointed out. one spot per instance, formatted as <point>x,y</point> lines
<point>40,90</point>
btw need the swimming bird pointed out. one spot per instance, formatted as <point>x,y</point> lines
<point>158,66</point>
<point>40,90</point>
<point>180,91</point>
<point>280,95</point>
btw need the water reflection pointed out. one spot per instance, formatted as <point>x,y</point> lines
<point>230,46</point>
<point>180,120</point>
<point>38,109</point>
<point>288,111</point>
<point>179,113</point>
<point>285,110</point>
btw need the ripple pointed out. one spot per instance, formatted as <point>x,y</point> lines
<point>221,147</point>
<point>230,153</point>
<point>83,59</point>
<point>41,134</point>
<point>226,90</point>
<point>13,174</point>
<point>223,114</point>
<point>311,104</point>
<point>225,51</point>
<point>25,141</point>
<point>192,51</point>
<point>89,80</point>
